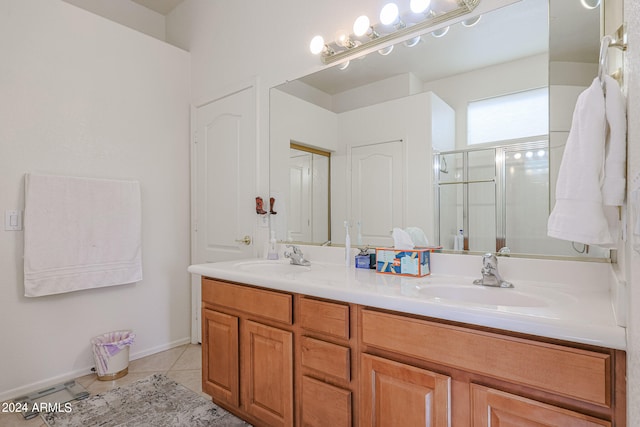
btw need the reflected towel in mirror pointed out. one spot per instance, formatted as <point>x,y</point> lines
<point>591,178</point>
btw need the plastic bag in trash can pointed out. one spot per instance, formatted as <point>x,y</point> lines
<point>108,345</point>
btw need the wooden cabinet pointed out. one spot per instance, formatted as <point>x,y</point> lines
<point>396,394</point>
<point>247,351</point>
<point>497,379</point>
<point>499,409</point>
<point>281,359</point>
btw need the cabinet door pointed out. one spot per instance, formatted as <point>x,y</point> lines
<point>495,408</point>
<point>267,383</point>
<point>220,373</point>
<point>395,394</point>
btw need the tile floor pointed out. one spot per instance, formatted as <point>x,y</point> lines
<point>182,364</point>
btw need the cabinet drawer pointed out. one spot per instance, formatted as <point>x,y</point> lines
<point>325,317</point>
<point>575,373</point>
<point>267,304</point>
<point>324,404</point>
<point>330,359</point>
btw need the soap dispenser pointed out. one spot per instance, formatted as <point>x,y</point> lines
<point>458,243</point>
<point>273,246</point>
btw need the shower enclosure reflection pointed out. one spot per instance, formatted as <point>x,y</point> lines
<point>498,196</point>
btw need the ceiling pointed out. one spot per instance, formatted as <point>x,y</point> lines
<point>163,7</point>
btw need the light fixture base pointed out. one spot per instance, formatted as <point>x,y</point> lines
<point>406,33</point>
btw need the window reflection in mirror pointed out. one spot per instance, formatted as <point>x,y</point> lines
<point>309,198</point>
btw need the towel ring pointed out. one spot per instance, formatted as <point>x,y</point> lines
<point>617,40</point>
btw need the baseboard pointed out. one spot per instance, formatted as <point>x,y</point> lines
<point>160,348</point>
<point>29,388</point>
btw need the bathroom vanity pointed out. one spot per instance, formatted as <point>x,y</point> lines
<point>328,345</point>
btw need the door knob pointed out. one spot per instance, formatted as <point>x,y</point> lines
<point>246,240</point>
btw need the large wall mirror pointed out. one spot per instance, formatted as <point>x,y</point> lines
<point>464,131</point>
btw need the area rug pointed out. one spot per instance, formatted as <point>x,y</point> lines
<point>155,401</point>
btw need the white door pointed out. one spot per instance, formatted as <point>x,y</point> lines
<point>377,192</point>
<point>224,184</point>
<point>299,224</point>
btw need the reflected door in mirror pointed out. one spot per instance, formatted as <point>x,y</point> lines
<point>377,191</point>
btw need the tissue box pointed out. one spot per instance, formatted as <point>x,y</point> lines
<point>407,262</point>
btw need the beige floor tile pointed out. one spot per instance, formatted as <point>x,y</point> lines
<point>160,362</point>
<point>86,380</point>
<point>191,379</point>
<point>190,359</point>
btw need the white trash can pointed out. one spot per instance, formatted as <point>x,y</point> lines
<point>111,354</point>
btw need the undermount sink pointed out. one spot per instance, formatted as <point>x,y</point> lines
<point>480,295</point>
<point>271,267</point>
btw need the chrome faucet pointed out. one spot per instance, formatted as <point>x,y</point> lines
<point>296,256</point>
<point>490,274</point>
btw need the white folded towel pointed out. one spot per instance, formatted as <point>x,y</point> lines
<point>80,233</point>
<point>578,214</point>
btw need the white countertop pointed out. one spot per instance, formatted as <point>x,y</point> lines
<point>565,311</point>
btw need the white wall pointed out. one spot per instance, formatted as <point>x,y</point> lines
<point>82,96</point>
<point>128,13</point>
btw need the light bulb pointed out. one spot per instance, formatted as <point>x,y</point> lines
<point>361,26</point>
<point>389,14</point>
<point>317,45</point>
<point>419,6</point>
<point>440,32</point>
<point>541,153</point>
<point>386,51</point>
<point>590,4</point>
<point>528,154</point>
<point>343,39</point>
<point>471,21</point>
<point>412,42</point>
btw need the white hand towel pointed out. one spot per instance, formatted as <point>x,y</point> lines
<point>80,233</point>
<point>578,214</point>
<point>615,163</point>
<point>614,185</point>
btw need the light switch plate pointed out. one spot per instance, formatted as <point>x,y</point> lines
<point>13,220</point>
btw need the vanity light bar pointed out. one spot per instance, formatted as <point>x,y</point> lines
<point>406,33</point>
